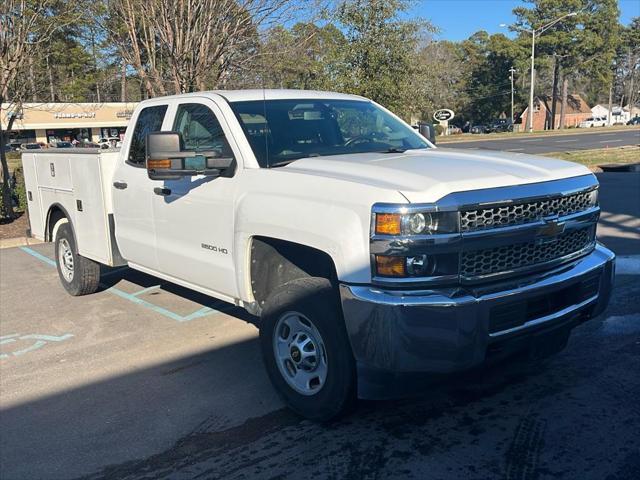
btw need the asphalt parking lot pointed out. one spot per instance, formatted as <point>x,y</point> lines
<point>148,380</point>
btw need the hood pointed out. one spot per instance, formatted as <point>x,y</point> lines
<point>424,176</point>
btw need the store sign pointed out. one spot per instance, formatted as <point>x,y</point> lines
<point>443,115</point>
<point>74,115</point>
<point>124,114</point>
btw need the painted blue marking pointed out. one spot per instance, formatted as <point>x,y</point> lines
<point>35,346</point>
<point>132,297</point>
<point>41,341</point>
<point>13,335</point>
<point>203,312</point>
<point>145,290</point>
<point>39,256</point>
<point>48,338</point>
<point>144,303</point>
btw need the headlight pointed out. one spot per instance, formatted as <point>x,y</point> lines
<point>418,223</point>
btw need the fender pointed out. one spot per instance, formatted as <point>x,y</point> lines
<point>48,226</point>
<point>341,231</point>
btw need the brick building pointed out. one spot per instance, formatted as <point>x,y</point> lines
<point>577,110</point>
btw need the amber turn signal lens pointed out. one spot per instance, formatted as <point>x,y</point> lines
<point>388,224</point>
<point>159,164</point>
<point>390,266</point>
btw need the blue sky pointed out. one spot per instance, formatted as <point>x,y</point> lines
<point>458,19</point>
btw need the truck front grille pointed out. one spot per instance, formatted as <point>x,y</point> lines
<point>519,213</point>
<point>477,263</point>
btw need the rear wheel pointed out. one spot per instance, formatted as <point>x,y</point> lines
<point>306,350</point>
<point>79,275</point>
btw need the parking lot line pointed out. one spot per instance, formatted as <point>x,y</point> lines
<point>132,297</point>
<point>39,256</point>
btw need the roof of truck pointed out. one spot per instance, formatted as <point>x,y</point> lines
<point>271,94</point>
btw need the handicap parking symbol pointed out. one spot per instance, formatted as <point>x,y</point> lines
<point>29,343</point>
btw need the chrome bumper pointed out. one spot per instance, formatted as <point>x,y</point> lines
<point>448,330</point>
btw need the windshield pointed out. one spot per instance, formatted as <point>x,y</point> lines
<point>281,131</point>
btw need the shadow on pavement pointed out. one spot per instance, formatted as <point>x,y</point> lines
<point>619,225</point>
<point>511,420</point>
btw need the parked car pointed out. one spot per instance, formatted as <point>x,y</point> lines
<point>31,146</point>
<point>478,129</point>
<point>634,121</point>
<point>593,122</point>
<point>500,125</point>
<point>364,263</point>
<point>110,142</point>
<point>63,145</point>
<point>15,146</point>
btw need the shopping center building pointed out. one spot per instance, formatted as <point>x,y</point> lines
<point>49,123</point>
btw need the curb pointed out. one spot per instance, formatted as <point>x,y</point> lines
<point>18,242</point>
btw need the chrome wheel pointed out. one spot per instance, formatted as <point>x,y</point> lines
<point>65,259</point>
<point>300,353</point>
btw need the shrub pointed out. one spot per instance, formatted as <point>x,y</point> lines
<point>439,129</point>
<point>19,190</point>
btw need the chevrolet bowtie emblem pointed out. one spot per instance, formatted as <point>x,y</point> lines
<point>551,228</point>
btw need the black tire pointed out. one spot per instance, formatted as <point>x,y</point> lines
<point>84,276</point>
<point>316,299</point>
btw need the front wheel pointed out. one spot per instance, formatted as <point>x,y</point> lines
<point>79,275</point>
<point>306,350</point>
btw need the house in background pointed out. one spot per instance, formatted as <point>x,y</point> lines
<point>618,114</point>
<point>577,111</point>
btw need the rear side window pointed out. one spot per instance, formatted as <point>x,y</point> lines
<point>149,120</point>
<point>200,129</point>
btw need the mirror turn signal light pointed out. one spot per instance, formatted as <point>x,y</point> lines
<point>388,223</point>
<point>391,266</point>
<point>159,164</point>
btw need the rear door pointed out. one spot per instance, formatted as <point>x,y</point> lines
<point>194,215</point>
<point>133,191</point>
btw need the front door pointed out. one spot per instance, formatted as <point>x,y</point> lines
<point>132,193</point>
<point>194,215</point>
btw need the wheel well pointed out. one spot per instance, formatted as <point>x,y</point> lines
<point>55,214</point>
<point>275,262</point>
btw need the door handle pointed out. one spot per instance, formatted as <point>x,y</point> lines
<point>164,191</point>
<point>120,185</point>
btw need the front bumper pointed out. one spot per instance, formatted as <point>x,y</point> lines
<point>442,331</point>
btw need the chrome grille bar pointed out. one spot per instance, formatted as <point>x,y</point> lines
<point>526,212</point>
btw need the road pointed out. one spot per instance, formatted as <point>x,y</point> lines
<point>147,380</point>
<point>599,138</point>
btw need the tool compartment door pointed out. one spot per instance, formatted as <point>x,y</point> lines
<point>90,210</point>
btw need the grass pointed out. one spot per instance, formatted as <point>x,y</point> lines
<point>601,156</point>
<point>465,137</point>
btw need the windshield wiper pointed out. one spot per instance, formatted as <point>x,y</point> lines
<point>394,150</point>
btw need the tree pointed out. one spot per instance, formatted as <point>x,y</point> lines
<point>179,46</point>
<point>305,56</point>
<point>25,26</point>
<point>584,44</point>
<point>377,60</point>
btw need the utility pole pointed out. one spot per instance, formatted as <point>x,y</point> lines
<point>533,32</point>
<point>511,71</point>
<point>533,73</point>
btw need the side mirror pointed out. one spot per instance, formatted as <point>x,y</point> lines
<point>428,131</point>
<point>166,159</point>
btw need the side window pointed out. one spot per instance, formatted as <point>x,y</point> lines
<point>201,130</point>
<point>149,120</point>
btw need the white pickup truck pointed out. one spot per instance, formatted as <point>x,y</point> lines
<point>370,255</point>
